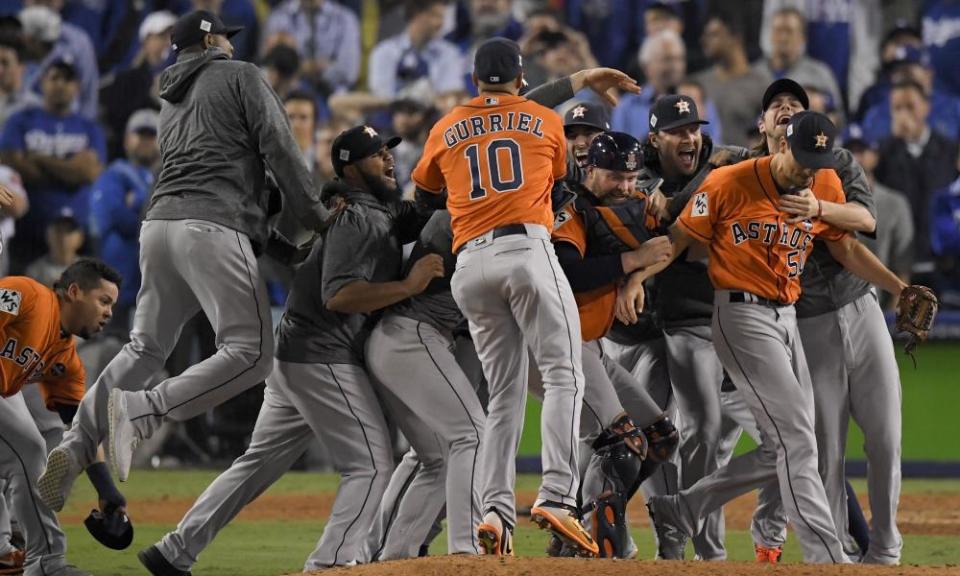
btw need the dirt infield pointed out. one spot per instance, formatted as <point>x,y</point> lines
<point>920,513</point>
<point>478,566</point>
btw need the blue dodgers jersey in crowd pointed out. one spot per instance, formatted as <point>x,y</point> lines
<point>116,208</point>
<point>941,34</point>
<point>829,36</point>
<point>39,131</point>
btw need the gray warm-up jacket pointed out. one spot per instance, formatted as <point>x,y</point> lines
<point>221,127</point>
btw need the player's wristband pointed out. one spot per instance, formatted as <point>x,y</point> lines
<point>819,208</point>
<point>99,476</point>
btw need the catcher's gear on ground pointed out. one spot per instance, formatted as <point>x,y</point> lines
<point>112,527</point>
<point>916,311</point>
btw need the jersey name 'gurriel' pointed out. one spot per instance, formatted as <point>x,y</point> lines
<point>479,125</point>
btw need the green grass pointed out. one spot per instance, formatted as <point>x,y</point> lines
<point>930,400</point>
<point>278,547</point>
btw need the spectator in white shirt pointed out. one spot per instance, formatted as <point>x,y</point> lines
<point>417,61</point>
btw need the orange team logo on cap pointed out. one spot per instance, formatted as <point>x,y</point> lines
<point>683,107</point>
<point>579,111</point>
<point>821,140</point>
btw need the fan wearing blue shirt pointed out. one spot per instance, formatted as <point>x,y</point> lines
<point>116,208</point>
<point>58,153</point>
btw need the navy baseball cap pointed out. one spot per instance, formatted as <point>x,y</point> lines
<point>854,138</point>
<point>497,61</point>
<point>785,85</point>
<point>673,111</point>
<point>191,29</point>
<point>615,151</point>
<point>356,144</point>
<point>587,114</point>
<point>811,136</point>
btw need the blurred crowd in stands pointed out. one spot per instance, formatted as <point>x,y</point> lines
<point>79,99</point>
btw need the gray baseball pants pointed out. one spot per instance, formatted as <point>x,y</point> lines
<point>187,266</point>
<point>856,374</point>
<point>333,402</point>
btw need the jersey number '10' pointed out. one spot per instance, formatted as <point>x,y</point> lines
<point>496,150</point>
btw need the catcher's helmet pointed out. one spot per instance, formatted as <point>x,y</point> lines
<point>112,527</point>
<point>615,151</point>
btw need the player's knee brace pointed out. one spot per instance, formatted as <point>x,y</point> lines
<point>663,438</point>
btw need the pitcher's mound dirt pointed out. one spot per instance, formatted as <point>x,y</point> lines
<point>489,566</point>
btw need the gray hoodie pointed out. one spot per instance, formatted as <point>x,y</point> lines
<point>221,126</point>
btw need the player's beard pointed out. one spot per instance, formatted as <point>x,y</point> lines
<point>384,192</point>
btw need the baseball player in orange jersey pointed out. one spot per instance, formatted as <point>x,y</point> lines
<point>757,254</point>
<point>498,156</point>
<point>37,326</point>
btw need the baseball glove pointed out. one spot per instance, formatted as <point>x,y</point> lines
<point>916,311</point>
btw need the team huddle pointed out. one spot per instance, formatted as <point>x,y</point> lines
<point>659,298</point>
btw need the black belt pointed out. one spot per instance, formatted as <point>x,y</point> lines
<point>748,298</point>
<point>509,230</point>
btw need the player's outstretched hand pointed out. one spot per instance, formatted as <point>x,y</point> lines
<point>423,271</point>
<point>657,205</point>
<point>800,206</point>
<point>605,82</point>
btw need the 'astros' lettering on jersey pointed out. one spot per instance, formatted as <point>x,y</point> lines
<point>34,349</point>
<point>597,306</point>
<point>752,248</point>
<point>497,156</point>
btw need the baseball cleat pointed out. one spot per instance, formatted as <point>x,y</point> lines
<point>496,537</point>
<point>57,479</point>
<point>122,435</point>
<point>563,523</point>
<point>155,563</point>
<point>767,555</point>
<point>671,539</point>
<point>12,562</point>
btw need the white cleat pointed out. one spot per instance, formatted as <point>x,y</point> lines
<point>122,436</point>
<point>57,479</point>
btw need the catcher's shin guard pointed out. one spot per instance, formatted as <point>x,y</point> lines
<point>609,525</point>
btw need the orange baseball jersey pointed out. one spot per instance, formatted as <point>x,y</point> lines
<point>497,156</point>
<point>752,248</point>
<point>35,349</point>
<point>596,307</point>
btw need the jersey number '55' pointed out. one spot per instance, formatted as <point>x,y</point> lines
<point>504,169</point>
